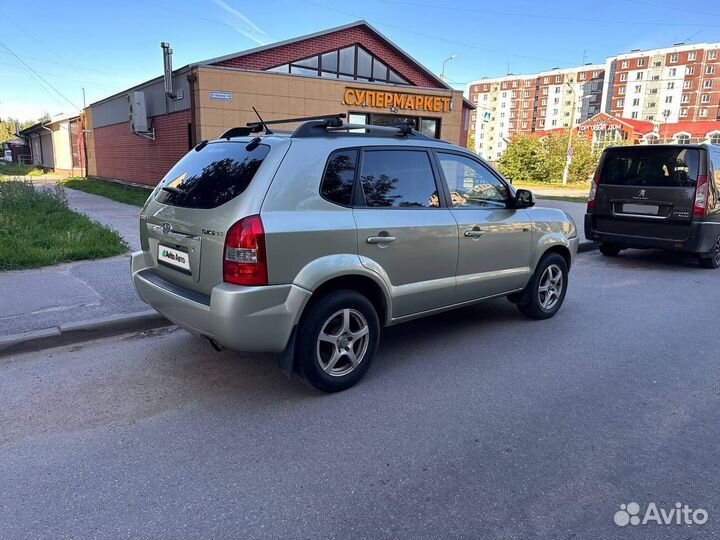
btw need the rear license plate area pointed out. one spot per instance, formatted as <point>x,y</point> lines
<point>641,209</point>
<point>177,259</point>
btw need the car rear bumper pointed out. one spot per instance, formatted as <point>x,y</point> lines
<point>700,238</point>
<point>236,317</point>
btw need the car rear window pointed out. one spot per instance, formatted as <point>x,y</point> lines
<point>212,176</point>
<point>651,166</point>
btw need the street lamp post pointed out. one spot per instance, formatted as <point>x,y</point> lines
<point>442,73</point>
<point>568,155</point>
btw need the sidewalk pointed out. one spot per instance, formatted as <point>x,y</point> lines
<point>54,295</point>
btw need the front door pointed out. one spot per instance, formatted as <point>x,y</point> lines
<point>494,238</point>
<point>404,230</point>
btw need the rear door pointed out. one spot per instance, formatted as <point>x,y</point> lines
<point>184,222</point>
<point>494,238</point>
<point>404,229</point>
<point>647,191</point>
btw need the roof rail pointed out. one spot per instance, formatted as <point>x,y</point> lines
<point>323,128</point>
<point>257,127</point>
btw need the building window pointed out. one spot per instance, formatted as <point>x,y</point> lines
<point>672,72</point>
<point>595,74</point>
<point>485,87</point>
<point>708,84</point>
<point>514,94</point>
<point>692,55</point>
<point>581,77</point>
<point>668,99</point>
<point>657,63</point>
<point>594,86</point>
<point>651,138</point>
<point>673,58</point>
<point>636,102</point>
<point>690,70</point>
<point>652,104</point>
<point>514,84</point>
<point>348,63</point>
<point>682,138</point>
<point>621,91</point>
<point>710,70</point>
<point>526,104</point>
<point>524,125</point>
<point>671,85</point>
<point>555,111</point>
<point>553,123</point>
<point>653,90</point>
<point>543,102</point>
<point>703,113</point>
<point>683,112</point>
<point>712,55</point>
<point>546,80</point>
<point>650,118</point>
<point>634,114</point>
<point>638,88</point>
<point>685,98</point>
<point>639,75</point>
<point>558,78</point>
<point>527,84</point>
<point>623,76</point>
<point>640,62</point>
<point>556,101</point>
<point>620,102</point>
<point>524,114</point>
<point>558,89</point>
<point>715,137</point>
<point>656,77</point>
<point>526,93</point>
<point>545,91</point>
<point>687,85</point>
<point>705,98</point>
<point>624,64</point>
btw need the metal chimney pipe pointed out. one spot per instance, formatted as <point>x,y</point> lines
<point>167,69</point>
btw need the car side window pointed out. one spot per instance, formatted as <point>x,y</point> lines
<point>339,178</point>
<point>398,179</point>
<point>471,184</point>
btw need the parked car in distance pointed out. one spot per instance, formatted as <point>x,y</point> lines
<point>307,243</point>
<point>657,196</point>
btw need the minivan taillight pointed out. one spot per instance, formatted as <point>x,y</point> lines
<point>701,197</point>
<point>593,192</point>
<point>245,261</point>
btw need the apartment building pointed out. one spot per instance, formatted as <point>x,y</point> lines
<point>530,103</point>
<point>679,83</point>
<point>663,86</point>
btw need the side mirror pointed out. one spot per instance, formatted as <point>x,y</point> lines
<point>524,198</point>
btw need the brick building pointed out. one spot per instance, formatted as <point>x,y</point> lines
<point>673,85</point>
<point>351,69</point>
<point>532,103</point>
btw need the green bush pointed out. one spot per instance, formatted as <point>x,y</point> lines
<point>14,169</point>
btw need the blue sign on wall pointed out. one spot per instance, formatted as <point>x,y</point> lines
<point>217,95</point>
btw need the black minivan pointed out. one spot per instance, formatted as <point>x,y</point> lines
<point>657,196</point>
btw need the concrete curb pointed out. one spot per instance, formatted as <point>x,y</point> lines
<point>81,331</point>
<point>587,246</point>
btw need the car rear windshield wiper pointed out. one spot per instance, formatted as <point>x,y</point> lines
<point>174,190</point>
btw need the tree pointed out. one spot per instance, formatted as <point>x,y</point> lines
<point>7,129</point>
<point>471,141</point>
<point>531,159</point>
<point>521,159</point>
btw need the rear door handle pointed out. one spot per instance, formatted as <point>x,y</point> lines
<point>380,239</point>
<point>474,233</point>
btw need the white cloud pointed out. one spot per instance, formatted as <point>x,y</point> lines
<point>248,28</point>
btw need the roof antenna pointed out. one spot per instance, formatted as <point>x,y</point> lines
<point>262,122</point>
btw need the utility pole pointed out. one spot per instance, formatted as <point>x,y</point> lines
<point>568,152</point>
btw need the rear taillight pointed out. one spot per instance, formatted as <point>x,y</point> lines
<point>593,192</point>
<point>701,197</point>
<point>245,261</point>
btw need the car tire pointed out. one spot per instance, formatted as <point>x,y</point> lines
<point>337,340</point>
<point>610,250</point>
<point>712,259</point>
<point>551,275</point>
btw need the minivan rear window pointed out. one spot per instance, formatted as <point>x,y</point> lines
<point>667,166</point>
<point>211,176</point>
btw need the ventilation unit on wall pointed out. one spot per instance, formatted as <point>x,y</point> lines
<point>138,116</point>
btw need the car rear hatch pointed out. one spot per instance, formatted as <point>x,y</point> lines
<point>185,221</point>
<point>646,191</point>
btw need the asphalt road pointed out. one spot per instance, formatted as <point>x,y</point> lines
<point>472,424</point>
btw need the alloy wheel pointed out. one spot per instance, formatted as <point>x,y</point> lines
<point>342,342</point>
<point>550,287</point>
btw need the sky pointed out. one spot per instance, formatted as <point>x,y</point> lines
<point>51,50</point>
